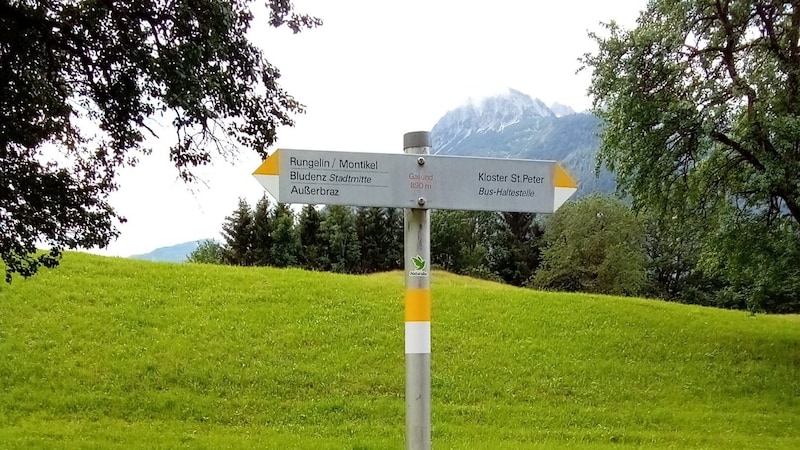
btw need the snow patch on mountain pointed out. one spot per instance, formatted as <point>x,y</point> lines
<point>561,110</point>
<point>488,115</point>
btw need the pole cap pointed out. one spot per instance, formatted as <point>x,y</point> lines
<point>417,139</point>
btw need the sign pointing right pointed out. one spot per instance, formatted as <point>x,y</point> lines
<point>493,184</point>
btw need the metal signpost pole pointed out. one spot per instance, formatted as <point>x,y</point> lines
<point>418,308</point>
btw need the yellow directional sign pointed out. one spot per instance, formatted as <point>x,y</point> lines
<point>413,181</point>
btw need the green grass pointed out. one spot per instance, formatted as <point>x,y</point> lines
<point>114,353</point>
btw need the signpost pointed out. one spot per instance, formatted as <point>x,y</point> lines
<point>418,182</point>
<point>401,180</point>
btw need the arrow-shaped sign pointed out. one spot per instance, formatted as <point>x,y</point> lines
<point>414,181</point>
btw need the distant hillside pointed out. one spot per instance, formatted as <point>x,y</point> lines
<point>113,353</point>
<point>173,253</point>
<point>514,125</point>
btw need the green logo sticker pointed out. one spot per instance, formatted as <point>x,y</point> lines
<point>419,267</point>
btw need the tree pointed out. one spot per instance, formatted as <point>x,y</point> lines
<point>262,233</point>
<point>702,104</point>
<point>284,237</point>
<point>340,236</point>
<point>378,231</point>
<point>208,252</point>
<point>761,275</point>
<point>394,239</point>
<point>237,231</point>
<point>448,236</point>
<point>593,245</point>
<point>670,258</point>
<point>458,240</point>
<point>311,241</point>
<point>81,85</point>
<point>368,227</point>
<point>702,109</point>
<point>515,251</point>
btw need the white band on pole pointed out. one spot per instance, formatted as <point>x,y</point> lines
<point>418,337</point>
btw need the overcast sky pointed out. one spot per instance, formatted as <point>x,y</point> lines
<point>374,71</point>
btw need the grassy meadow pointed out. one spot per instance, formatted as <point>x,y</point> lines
<point>109,353</point>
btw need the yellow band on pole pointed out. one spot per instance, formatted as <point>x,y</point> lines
<point>418,305</point>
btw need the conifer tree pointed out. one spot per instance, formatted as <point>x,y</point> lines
<point>370,228</point>
<point>394,240</point>
<point>262,233</point>
<point>342,249</point>
<point>237,231</point>
<point>284,237</point>
<point>310,237</point>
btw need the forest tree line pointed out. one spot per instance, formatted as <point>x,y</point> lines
<point>597,244</point>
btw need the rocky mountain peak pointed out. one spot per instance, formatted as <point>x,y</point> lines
<point>561,110</point>
<point>500,111</point>
<point>488,115</point>
<point>515,125</point>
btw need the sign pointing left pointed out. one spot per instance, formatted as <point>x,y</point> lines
<point>336,178</point>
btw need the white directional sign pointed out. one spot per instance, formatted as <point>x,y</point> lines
<point>413,181</point>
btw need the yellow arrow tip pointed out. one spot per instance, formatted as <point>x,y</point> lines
<point>564,179</point>
<point>270,165</point>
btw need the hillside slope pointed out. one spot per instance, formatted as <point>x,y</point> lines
<point>116,353</point>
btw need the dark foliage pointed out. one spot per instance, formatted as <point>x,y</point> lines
<point>82,83</point>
